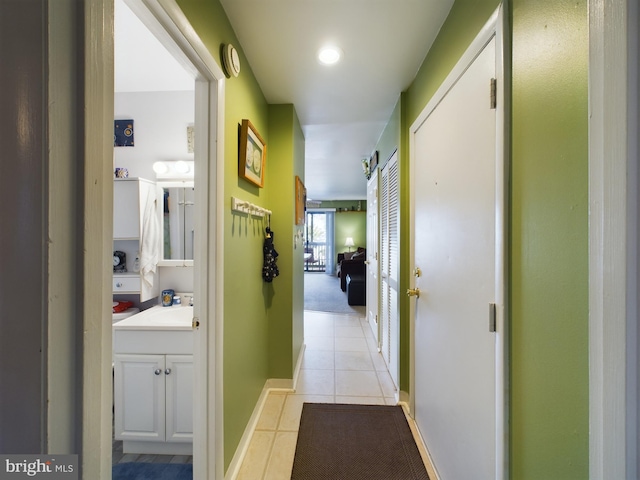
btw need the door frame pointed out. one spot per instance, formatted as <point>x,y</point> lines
<point>373,250</point>
<point>614,243</point>
<point>497,26</point>
<point>170,24</point>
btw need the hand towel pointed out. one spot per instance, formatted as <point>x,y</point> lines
<point>149,241</point>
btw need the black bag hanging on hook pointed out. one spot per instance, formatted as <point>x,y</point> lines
<point>269,267</point>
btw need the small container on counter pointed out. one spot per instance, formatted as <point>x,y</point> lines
<point>176,301</point>
<point>167,297</point>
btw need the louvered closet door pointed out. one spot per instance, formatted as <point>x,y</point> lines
<point>389,237</point>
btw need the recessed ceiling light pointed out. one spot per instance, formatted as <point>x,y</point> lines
<point>329,55</point>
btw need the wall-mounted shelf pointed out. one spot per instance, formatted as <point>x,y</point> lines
<point>249,208</point>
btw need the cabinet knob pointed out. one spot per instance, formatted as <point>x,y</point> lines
<point>167,371</point>
<point>118,285</point>
<point>158,371</point>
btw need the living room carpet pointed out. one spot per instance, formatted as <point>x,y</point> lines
<point>152,471</point>
<point>356,442</point>
<point>322,294</point>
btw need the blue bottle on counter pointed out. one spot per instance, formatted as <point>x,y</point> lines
<point>167,297</point>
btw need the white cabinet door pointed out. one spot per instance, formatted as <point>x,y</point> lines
<point>154,398</point>
<point>139,390</point>
<point>179,398</point>
<point>126,209</point>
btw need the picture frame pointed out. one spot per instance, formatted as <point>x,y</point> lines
<point>373,163</point>
<point>252,154</point>
<point>301,201</point>
<point>123,133</point>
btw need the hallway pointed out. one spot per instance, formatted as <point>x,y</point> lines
<point>341,364</point>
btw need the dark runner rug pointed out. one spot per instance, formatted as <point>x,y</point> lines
<point>152,471</point>
<point>356,442</point>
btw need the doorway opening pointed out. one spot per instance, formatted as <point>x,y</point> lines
<point>166,21</point>
<point>154,97</point>
<point>315,250</point>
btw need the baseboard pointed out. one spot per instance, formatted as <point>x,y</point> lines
<point>296,371</point>
<point>403,398</point>
<point>271,385</point>
<point>422,446</point>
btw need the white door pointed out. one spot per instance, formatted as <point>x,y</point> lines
<point>454,246</point>
<point>372,254</point>
<point>389,265</point>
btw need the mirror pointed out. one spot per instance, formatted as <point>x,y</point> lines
<point>177,223</point>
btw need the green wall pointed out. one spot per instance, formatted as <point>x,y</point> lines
<point>390,139</point>
<point>549,241</point>
<point>548,285</point>
<point>351,224</point>
<point>286,292</point>
<point>252,329</point>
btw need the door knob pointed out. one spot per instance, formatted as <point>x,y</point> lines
<point>413,292</point>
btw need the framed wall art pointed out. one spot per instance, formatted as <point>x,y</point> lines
<point>252,155</point>
<point>301,201</point>
<point>123,133</point>
<point>373,163</point>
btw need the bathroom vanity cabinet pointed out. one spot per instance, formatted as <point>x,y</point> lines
<point>155,395</point>
<point>135,226</point>
<point>153,381</point>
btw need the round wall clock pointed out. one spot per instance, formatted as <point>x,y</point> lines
<point>230,60</point>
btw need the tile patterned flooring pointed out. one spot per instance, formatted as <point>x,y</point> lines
<point>341,364</point>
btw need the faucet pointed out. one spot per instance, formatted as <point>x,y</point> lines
<point>190,297</point>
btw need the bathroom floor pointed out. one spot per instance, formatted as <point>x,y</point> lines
<point>341,364</point>
<point>119,457</point>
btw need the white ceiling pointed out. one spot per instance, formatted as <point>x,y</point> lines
<point>142,64</point>
<point>342,108</point>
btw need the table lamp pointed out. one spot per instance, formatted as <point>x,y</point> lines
<point>349,243</point>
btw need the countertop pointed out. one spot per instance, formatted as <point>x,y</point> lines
<point>158,318</point>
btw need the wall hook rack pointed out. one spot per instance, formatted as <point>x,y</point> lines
<point>249,208</point>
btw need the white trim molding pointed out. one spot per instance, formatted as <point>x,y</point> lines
<point>613,239</point>
<point>97,222</point>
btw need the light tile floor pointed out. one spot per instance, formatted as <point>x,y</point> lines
<point>341,364</point>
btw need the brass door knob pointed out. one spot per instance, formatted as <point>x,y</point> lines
<point>413,292</point>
